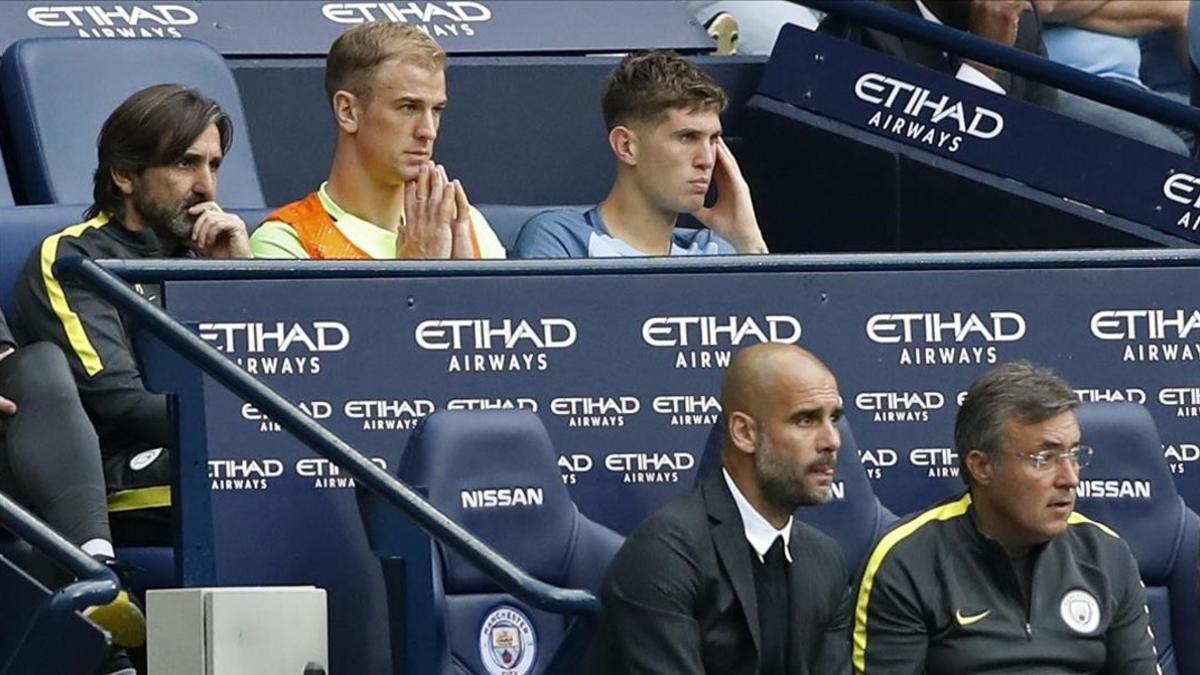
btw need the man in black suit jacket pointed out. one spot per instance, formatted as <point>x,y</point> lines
<point>691,590</point>
<point>1013,23</point>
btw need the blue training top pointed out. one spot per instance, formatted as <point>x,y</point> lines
<point>568,233</point>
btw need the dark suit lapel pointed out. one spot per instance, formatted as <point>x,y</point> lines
<point>729,537</point>
<point>801,598</point>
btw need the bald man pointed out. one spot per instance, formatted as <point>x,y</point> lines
<point>723,579</point>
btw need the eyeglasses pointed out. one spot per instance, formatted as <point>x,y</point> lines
<point>1042,461</point>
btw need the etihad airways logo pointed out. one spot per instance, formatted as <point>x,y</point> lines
<point>708,341</point>
<point>1174,333</point>
<point>240,475</point>
<point>295,347</point>
<point>1179,455</point>
<point>688,410</point>
<point>573,465</point>
<point>519,403</point>
<point>595,411</point>
<point>488,334</point>
<point>875,461</point>
<point>116,20</point>
<point>278,337</point>
<point>496,345</point>
<point>1129,394</point>
<point>326,475</point>
<point>934,327</point>
<point>388,414</point>
<point>899,406</point>
<point>437,19</point>
<point>937,462</point>
<point>318,410</point>
<point>1184,400</point>
<point>945,334</point>
<point>718,331</point>
<point>918,114</point>
<point>649,467</point>
<point>1183,188</point>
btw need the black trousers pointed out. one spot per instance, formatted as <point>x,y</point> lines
<point>49,455</point>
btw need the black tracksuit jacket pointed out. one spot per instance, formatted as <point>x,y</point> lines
<point>92,333</point>
<point>936,596</point>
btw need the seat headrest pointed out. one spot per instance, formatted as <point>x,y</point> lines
<point>58,91</point>
<point>496,474</point>
<point>1128,486</point>
<point>22,228</point>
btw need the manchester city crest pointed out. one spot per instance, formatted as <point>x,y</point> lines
<point>1080,611</point>
<point>507,642</point>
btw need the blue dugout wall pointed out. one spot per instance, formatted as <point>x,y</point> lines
<point>622,361</point>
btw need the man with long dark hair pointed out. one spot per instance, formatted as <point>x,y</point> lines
<point>154,195</point>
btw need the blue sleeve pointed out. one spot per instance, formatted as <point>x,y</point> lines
<point>560,233</point>
<point>723,245</point>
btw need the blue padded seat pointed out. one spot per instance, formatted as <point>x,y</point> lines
<point>1132,491</point>
<point>21,229</point>
<point>855,520</point>
<point>465,460</point>
<point>58,92</point>
<point>508,219</point>
<point>6,195</point>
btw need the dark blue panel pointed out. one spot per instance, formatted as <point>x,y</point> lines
<point>622,365</point>
<point>922,108</point>
<point>306,28</point>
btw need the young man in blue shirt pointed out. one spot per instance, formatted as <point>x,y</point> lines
<point>664,128</point>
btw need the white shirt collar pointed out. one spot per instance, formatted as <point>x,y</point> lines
<point>759,532</point>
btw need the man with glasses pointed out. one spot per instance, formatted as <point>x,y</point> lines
<point>1007,577</point>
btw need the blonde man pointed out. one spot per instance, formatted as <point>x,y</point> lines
<point>385,197</point>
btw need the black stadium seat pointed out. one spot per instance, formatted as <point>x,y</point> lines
<point>21,229</point>
<point>496,474</point>
<point>1129,487</point>
<point>58,91</point>
<point>6,196</point>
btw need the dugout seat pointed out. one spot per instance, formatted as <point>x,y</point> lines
<point>855,519</point>
<point>508,219</point>
<point>496,474</point>
<point>21,229</point>
<point>6,195</point>
<point>1128,487</point>
<point>58,91</point>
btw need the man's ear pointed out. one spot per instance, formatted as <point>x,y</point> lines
<point>123,181</point>
<point>743,431</point>
<point>346,110</point>
<point>624,144</point>
<point>980,466</point>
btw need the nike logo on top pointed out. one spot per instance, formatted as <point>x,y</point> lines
<point>968,620</point>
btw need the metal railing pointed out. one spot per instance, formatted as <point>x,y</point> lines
<point>97,584</point>
<point>1015,61</point>
<point>504,573</point>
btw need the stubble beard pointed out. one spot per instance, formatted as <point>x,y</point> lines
<point>784,486</point>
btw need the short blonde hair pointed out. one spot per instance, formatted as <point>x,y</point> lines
<point>357,53</point>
